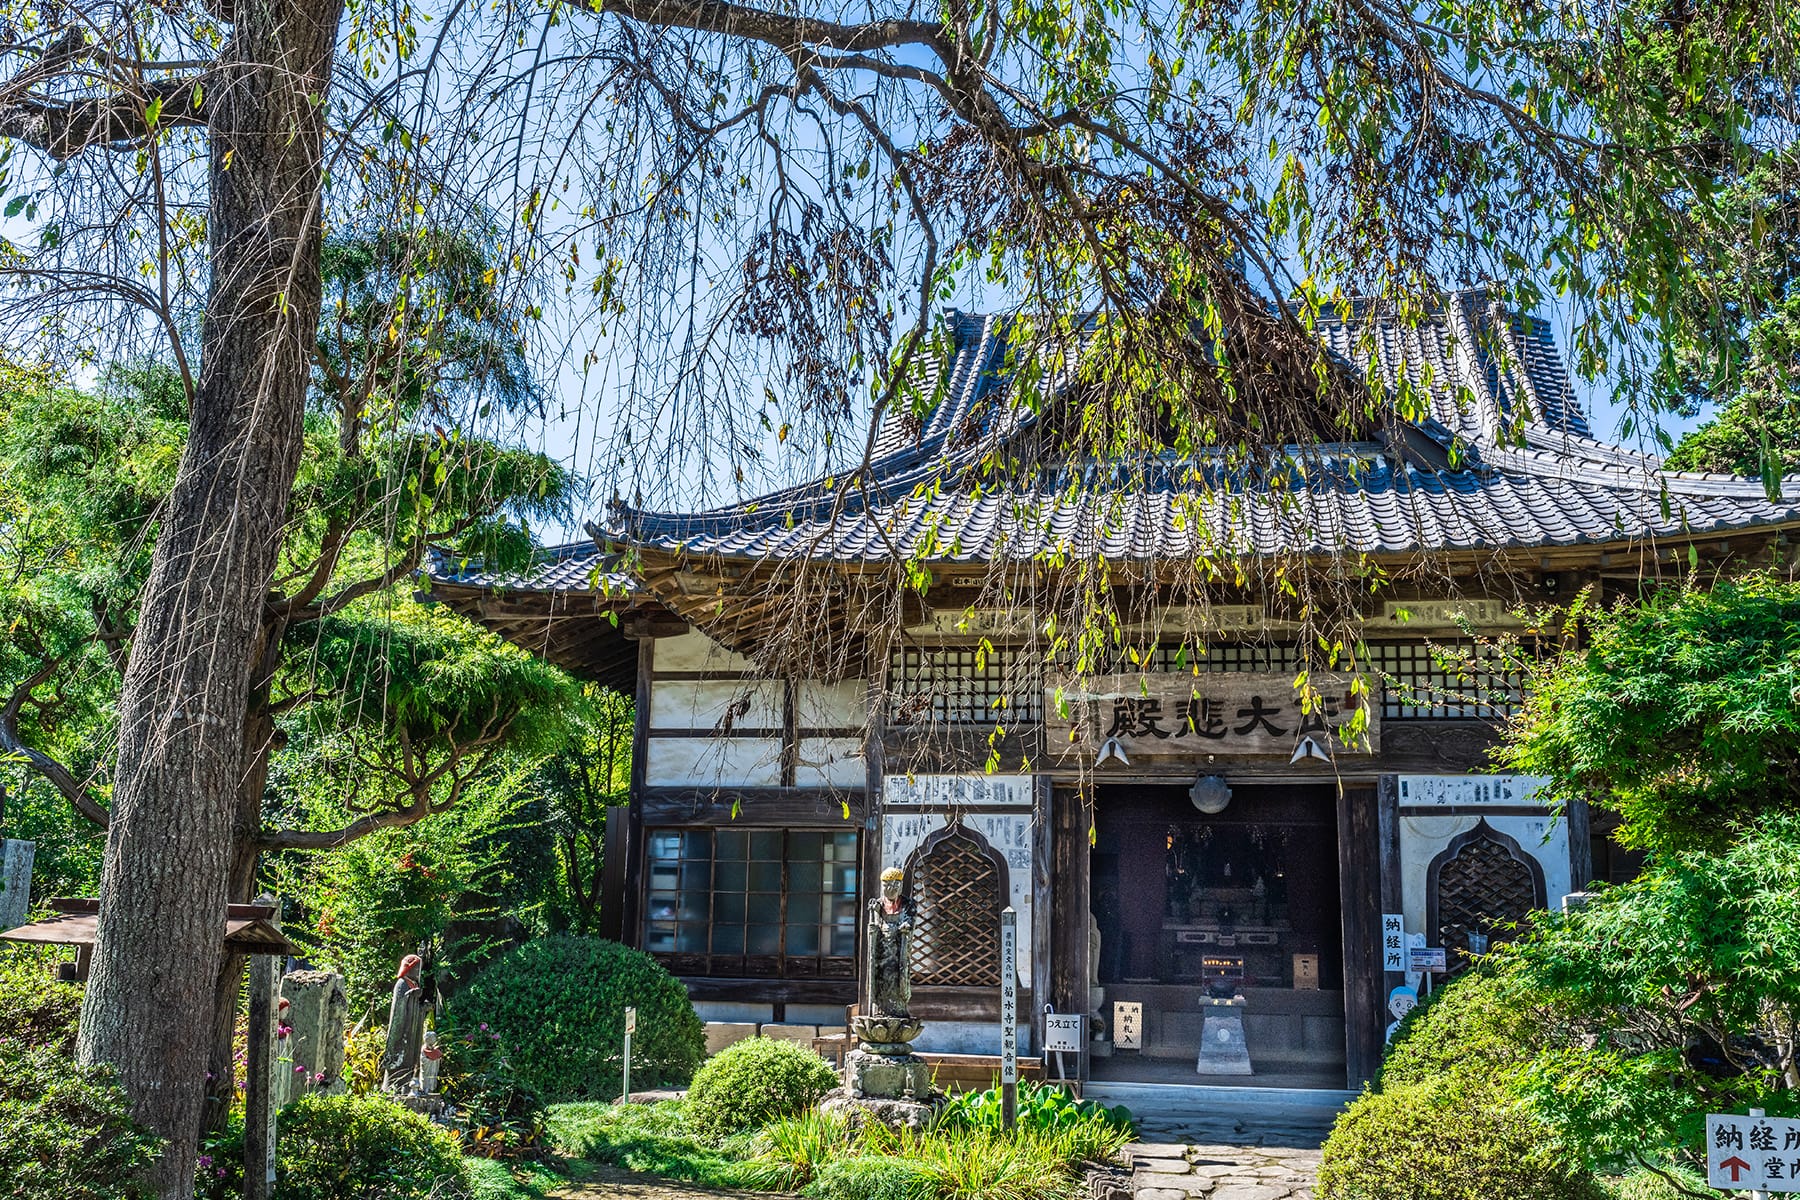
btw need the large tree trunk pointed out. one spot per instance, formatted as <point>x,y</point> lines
<point>228,989</point>
<point>149,1004</point>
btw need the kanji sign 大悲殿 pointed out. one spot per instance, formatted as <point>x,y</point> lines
<point>1753,1152</point>
<point>1227,712</point>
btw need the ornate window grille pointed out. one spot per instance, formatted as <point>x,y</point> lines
<point>1480,886</point>
<point>962,685</point>
<point>958,886</point>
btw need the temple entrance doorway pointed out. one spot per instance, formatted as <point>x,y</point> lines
<point>1224,927</point>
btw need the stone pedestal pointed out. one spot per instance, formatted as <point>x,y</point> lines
<point>1223,1050</point>
<point>895,1114</point>
<point>886,1076</point>
<point>883,1079</point>
<point>15,881</point>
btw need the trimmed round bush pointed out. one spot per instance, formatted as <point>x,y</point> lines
<point>65,1131</point>
<point>1447,1139</point>
<point>753,1082</point>
<point>558,1005</point>
<point>1479,1025</point>
<point>345,1147</point>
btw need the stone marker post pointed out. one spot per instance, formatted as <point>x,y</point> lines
<point>15,881</point>
<point>314,1010</point>
<point>1009,1017</point>
<point>260,1065</point>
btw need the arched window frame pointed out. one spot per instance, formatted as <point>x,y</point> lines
<point>1481,832</point>
<point>1002,875</point>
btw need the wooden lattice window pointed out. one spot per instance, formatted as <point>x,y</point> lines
<point>958,887</point>
<point>1480,885</point>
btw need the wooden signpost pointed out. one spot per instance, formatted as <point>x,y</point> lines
<point>630,1028</point>
<point>1009,1017</point>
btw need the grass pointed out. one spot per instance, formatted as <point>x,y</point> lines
<point>817,1155</point>
<point>517,1181</point>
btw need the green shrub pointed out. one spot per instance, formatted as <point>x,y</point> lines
<point>873,1177</point>
<point>498,1115</point>
<point>1447,1139</point>
<point>1482,1024</point>
<point>364,1148</point>
<point>65,1131</point>
<point>35,1009</point>
<point>558,1004</point>
<point>754,1082</point>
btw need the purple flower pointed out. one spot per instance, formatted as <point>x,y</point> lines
<point>484,1027</point>
<point>299,1070</point>
<point>206,1160</point>
<point>319,1078</point>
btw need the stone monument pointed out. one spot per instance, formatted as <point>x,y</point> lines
<point>406,1027</point>
<point>314,1009</point>
<point>15,881</point>
<point>883,1078</point>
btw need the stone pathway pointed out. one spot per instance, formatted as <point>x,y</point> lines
<point>1174,1171</point>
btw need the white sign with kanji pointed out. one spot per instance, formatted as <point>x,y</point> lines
<point>1753,1152</point>
<point>1062,1031</point>
<point>1393,942</point>
<point>1128,1024</point>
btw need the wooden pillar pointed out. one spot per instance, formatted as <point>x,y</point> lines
<point>1581,849</point>
<point>875,765</point>
<point>1042,954</point>
<point>1070,882</point>
<point>1360,891</point>
<point>632,856</point>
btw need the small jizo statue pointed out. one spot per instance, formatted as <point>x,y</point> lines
<point>890,949</point>
<point>406,1026</point>
<point>430,1056</point>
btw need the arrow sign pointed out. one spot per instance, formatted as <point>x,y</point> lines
<point>1753,1151</point>
<point>1736,1166</point>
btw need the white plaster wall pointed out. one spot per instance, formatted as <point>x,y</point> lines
<point>1008,833</point>
<point>1423,838</point>
<point>713,762</point>
<point>842,705</point>
<point>703,703</point>
<point>694,651</point>
<point>967,1037</point>
<point>830,762</point>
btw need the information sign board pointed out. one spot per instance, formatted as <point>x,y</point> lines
<point>1062,1031</point>
<point>1755,1152</point>
<point>1128,1024</point>
<point>1393,942</point>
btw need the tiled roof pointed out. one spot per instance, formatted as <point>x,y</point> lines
<point>1369,504</point>
<point>572,567</point>
<point>1535,475</point>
